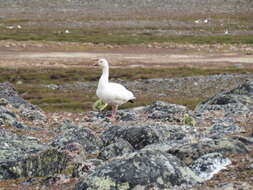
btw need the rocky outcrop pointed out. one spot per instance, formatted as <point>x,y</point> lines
<point>141,136</point>
<point>118,148</point>
<point>28,110</point>
<point>146,168</point>
<point>166,112</point>
<point>191,152</point>
<point>159,151</point>
<point>90,143</point>
<point>45,163</point>
<point>239,99</point>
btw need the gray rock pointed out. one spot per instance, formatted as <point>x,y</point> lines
<point>10,118</point>
<point>233,186</point>
<point>81,135</point>
<point>118,148</point>
<point>225,128</point>
<point>44,163</point>
<point>3,102</point>
<point>209,164</point>
<point>82,169</point>
<point>239,99</point>
<point>140,168</point>
<point>165,111</point>
<point>244,140</point>
<point>189,153</point>
<point>8,93</point>
<point>141,136</point>
<point>13,147</point>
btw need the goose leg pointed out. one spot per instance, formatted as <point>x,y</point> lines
<point>114,111</point>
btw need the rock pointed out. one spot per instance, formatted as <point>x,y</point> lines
<point>239,99</point>
<point>82,169</point>
<point>225,128</point>
<point>81,135</point>
<point>8,93</point>
<point>118,148</point>
<point>141,136</point>
<point>191,152</point>
<point>43,163</point>
<point>209,164</point>
<point>166,112</point>
<point>233,186</point>
<point>56,180</point>
<point>244,140</point>
<point>140,168</point>
<point>13,147</point>
<point>3,102</point>
<point>11,117</point>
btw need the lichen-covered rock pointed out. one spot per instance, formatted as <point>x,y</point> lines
<point>84,168</point>
<point>209,164</point>
<point>244,140</point>
<point>233,186</point>
<point>239,99</point>
<point>3,102</point>
<point>8,92</point>
<point>12,146</point>
<point>44,163</point>
<point>140,168</point>
<point>166,111</point>
<point>224,128</point>
<point>81,135</point>
<point>118,148</point>
<point>140,136</point>
<point>189,153</point>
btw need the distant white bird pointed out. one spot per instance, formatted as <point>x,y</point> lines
<point>206,21</point>
<point>67,31</point>
<point>10,27</point>
<point>111,93</point>
<point>197,21</point>
<point>19,26</point>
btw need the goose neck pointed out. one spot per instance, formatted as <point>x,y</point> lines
<point>105,77</point>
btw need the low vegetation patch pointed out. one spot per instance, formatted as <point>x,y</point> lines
<point>121,38</point>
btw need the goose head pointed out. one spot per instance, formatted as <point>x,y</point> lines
<point>102,63</point>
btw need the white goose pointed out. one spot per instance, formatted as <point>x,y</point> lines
<point>111,93</point>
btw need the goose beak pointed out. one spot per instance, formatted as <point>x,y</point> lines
<point>96,62</point>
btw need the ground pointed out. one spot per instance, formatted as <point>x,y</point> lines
<point>164,50</point>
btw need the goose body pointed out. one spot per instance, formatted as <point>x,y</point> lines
<point>111,93</point>
<point>114,94</point>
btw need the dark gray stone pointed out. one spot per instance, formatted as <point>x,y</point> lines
<point>118,148</point>
<point>140,168</point>
<point>166,111</point>
<point>141,136</point>
<point>44,163</point>
<point>225,128</point>
<point>81,135</point>
<point>209,164</point>
<point>227,146</point>
<point>239,99</point>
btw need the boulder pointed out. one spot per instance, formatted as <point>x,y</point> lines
<point>239,99</point>
<point>191,152</point>
<point>166,111</point>
<point>79,134</point>
<point>147,167</point>
<point>28,110</point>
<point>120,147</point>
<point>209,164</point>
<point>141,136</point>
<point>44,163</point>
